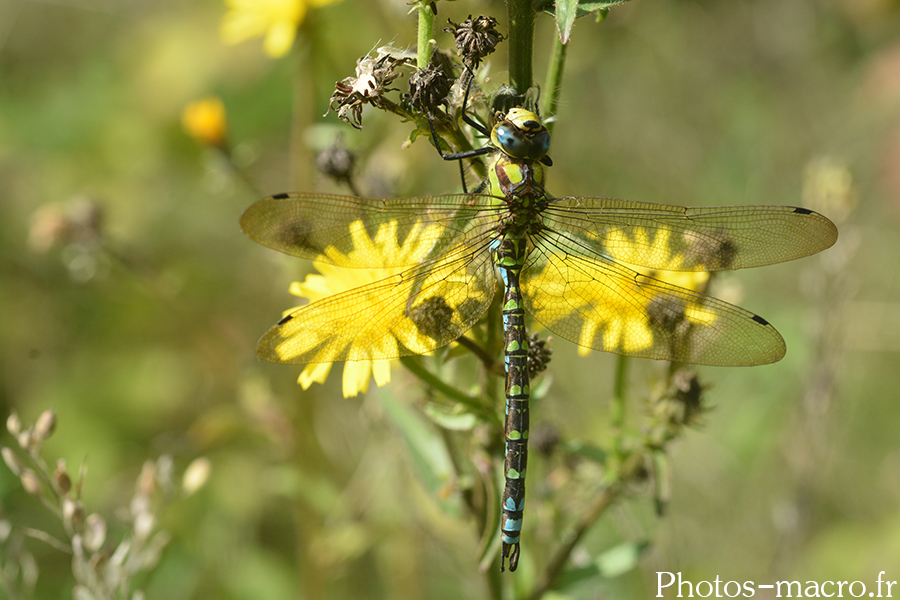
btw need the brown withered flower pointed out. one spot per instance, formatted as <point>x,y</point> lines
<point>336,161</point>
<point>475,38</point>
<point>687,392</point>
<point>538,355</point>
<point>373,78</point>
<point>428,88</point>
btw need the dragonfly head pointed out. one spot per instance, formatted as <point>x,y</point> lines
<point>520,134</point>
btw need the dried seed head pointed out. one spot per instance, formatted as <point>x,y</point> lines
<point>538,355</point>
<point>99,563</point>
<point>78,221</point>
<point>94,532</point>
<point>62,483</point>
<point>336,161</point>
<point>5,530</point>
<point>373,78</point>
<point>49,227</point>
<point>680,405</point>
<point>165,469</point>
<point>46,424</point>
<point>31,482</point>
<point>14,424</point>
<point>12,461</point>
<point>28,441</point>
<point>475,38</point>
<point>428,88</point>
<point>688,393</point>
<point>144,524</point>
<point>146,482</point>
<point>73,514</point>
<point>196,475</point>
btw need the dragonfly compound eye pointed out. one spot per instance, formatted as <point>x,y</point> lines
<point>511,141</point>
<point>522,135</point>
<point>540,144</point>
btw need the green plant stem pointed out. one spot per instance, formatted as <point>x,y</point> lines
<point>494,367</point>
<point>472,403</point>
<point>304,95</point>
<point>617,408</point>
<point>553,85</point>
<point>424,35</point>
<point>630,468</point>
<point>492,342</point>
<point>48,539</point>
<point>521,42</point>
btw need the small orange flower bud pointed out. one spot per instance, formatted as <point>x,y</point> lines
<point>205,121</point>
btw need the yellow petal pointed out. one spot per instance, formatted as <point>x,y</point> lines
<point>356,377</point>
<point>238,26</point>
<point>280,38</point>
<point>314,373</point>
<point>381,369</point>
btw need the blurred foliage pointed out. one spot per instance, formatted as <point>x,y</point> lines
<point>131,302</point>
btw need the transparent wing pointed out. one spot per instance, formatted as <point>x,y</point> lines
<point>362,232</point>
<point>674,238</point>
<point>415,312</point>
<point>591,300</point>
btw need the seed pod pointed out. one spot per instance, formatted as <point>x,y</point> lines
<point>45,425</point>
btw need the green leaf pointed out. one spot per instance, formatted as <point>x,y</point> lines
<point>426,449</point>
<point>566,11</point>
<point>612,563</point>
<point>620,559</point>
<point>562,11</point>
<point>454,420</point>
<point>539,391</point>
<point>593,453</point>
<point>589,7</point>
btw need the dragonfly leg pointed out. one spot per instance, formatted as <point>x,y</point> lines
<point>472,123</point>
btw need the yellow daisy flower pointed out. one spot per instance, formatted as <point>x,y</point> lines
<point>331,280</point>
<point>277,20</point>
<point>621,322</point>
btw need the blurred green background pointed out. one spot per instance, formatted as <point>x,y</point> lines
<point>142,338</point>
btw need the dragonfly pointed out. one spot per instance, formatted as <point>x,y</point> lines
<point>568,262</point>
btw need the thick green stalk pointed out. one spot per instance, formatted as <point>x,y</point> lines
<point>425,33</point>
<point>553,85</point>
<point>413,365</point>
<point>617,409</point>
<point>521,42</point>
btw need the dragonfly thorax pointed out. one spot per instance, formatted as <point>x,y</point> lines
<point>521,135</point>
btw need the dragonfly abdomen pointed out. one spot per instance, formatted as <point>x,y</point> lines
<point>510,258</point>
